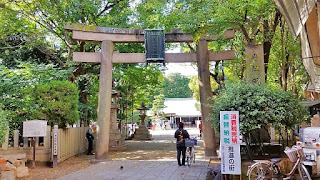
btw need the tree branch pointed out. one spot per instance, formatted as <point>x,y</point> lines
<point>107,7</point>
<point>245,32</point>
<point>276,20</point>
<point>12,47</point>
<point>191,48</point>
<point>53,56</point>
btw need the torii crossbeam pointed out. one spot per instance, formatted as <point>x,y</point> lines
<point>108,36</point>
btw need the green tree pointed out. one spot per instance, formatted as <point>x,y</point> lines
<point>3,125</point>
<point>176,86</point>
<point>259,105</point>
<point>255,21</point>
<point>158,105</point>
<point>55,101</point>
<point>286,68</point>
<point>13,84</point>
<point>39,36</point>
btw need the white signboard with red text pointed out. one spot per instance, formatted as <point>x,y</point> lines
<point>230,142</point>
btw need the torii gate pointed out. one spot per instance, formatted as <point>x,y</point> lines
<point>109,36</point>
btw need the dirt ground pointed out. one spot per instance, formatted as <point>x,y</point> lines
<point>137,150</point>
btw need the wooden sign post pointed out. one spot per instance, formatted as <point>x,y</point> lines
<point>55,146</point>
<point>34,128</point>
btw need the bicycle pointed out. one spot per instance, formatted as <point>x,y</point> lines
<point>190,151</point>
<point>268,169</point>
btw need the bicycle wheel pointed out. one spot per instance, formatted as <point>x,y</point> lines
<point>260,171</point>
<point>189,161</point>
<point>304,174</point>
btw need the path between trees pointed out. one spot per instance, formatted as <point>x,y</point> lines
<point>154,159</point>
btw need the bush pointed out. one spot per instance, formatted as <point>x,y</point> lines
<point>259,105</point>
<point>57,102</point>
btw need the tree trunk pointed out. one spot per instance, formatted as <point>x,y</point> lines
<point>205,98</point>
<point>284,73</point>
<point>84,100</point>
<point>266,54</point>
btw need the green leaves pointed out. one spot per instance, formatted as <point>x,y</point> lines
<point>57,102</point>
<point>257,105</point>
<point>16,85</point>
<point>158,104</point>
<point>176,86</point>
<point>3,124</point>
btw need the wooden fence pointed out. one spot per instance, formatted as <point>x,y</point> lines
<point>71,142</point>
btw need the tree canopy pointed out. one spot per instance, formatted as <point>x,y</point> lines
<point>36,49</point>
<point>176,86</point>
<point>55,101</point>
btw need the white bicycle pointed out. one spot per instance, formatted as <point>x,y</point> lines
<point>270,170</point>
<point>190,152</point>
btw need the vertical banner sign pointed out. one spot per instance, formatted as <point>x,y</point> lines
<point>55,145</point>
<point>230,142</point>
<point>55,140</point>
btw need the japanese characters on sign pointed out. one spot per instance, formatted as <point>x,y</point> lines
<point>55,140</point>
<point>230,142</point>
<point>34,128</point>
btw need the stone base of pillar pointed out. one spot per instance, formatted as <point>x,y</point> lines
<point>142,133</point>
<point>116,141</point>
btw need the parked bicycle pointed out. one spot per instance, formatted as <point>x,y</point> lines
<point>270,170</point>
<point>190,152</point>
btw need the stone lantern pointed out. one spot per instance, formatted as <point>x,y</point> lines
<point>142,133</point>
<point>116,140</point>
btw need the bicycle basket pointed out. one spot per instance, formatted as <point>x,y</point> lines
<point>301,154</point>
<point>189,142</point>
<point>293,154</point>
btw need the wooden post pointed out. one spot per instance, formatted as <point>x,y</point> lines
<point>272,133</point>
<point>37,140</point>
<point>6,141</point>
<point>16,138</point>
<point>34,153</point>
<point>205,98</point>
<point>55,145</point>
<point>255,64</point>
<point>47,138</point>
<point>25,142</point>
<point>104,102</point>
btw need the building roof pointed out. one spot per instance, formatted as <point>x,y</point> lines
<point>182,107</point>
<point>295,12</point>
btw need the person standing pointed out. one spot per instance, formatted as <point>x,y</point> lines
<point>181,134</point>
<point>90,138</point>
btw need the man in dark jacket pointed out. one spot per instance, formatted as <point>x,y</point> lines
<point>90,138</point>
<point>181,134</point>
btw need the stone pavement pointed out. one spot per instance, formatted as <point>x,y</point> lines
<point>158,169</point>
<point>144,170</point>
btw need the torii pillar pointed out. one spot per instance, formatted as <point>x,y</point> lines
<point>104,106</point>
<point>205,98</point>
